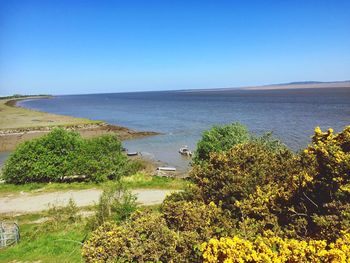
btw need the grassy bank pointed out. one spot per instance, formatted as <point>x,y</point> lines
<point>137,181</point>
<point>13,118</point>
<point>19,124</point>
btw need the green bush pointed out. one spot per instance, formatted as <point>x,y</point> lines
<point>63,156</point>
<point>220,138</point>
<point>50,158</point>
<point>101,159</point>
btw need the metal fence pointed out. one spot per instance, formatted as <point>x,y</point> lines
<point>9,233</point>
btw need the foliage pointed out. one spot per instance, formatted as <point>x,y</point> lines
<point>270,142</point>
<point>220,138</point>
<point>145,238</point>
<point>298,195</point>
<point>278,206</point>
<point>195,222</point>
<point>101,159</point>
<point>206,220</point>
<point>233,175</point>
<point>56,215</point>
<point>116,204</point>
<point>47,159</point>
<point>323,189</point>
<point>63,156</point>
<point>146,180</point>
<point>270,248</point>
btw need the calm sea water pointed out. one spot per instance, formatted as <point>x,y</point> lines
<point>183,115</point>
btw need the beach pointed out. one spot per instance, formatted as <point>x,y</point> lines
<point>18,124</point>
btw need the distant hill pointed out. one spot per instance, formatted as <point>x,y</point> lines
<point>302,85</point>
<point>290,85</point>
<point>308,82</point>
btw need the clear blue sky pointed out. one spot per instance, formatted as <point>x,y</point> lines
<point>72,47</point>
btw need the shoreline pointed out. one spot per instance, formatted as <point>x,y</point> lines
<point>37,124</point>
<point>291,86</point>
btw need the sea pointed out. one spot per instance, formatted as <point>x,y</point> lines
<point>182,116</point>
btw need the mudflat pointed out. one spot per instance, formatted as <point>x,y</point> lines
<point>19,124</point>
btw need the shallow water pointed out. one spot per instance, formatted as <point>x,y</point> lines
<point>3,157</point>
<point>182,115</point>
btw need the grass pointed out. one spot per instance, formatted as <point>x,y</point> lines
<point>21,118</point>
<point>57,240</point>
<point>136,181</point>
<point>143,180</point>
<point>40,242</point>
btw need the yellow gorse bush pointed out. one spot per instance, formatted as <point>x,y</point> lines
<point>270,248</point>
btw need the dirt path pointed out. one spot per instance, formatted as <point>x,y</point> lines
<point>27,203</point>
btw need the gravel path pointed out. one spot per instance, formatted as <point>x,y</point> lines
<point>27,203</point>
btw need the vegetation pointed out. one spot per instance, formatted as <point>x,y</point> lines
<point>63,155</point>
<point>17,118</point>
<point>269,248</point>
<point>19,96</point>
<point>220,138</point>
<point>55,235</point>
<point>116,204</point>
<point>138,180</point>
<point>254,202</point>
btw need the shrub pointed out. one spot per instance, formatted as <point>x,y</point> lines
<point>101,159</point>
<point>270,248</point>
<point>304,196</point>
<point>235,174</point>
<point>278,206</point>
<point>220,138</point>
<point>146,238</point>
<point>116,204</point>
<point>63,155</point>
<point>323,189</point>
<point>207,220</point>
<point>57,216</point>
<point>46,159</point>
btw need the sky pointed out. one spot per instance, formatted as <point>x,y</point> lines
<point>79,47</point>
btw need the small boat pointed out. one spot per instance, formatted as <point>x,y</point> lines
<point>132,153</point>
<point>166,168</point>
<point>185,151</point>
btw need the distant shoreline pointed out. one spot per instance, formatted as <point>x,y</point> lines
<point>19,124</point>
<point>283,86</point>
<point>287,86</point>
